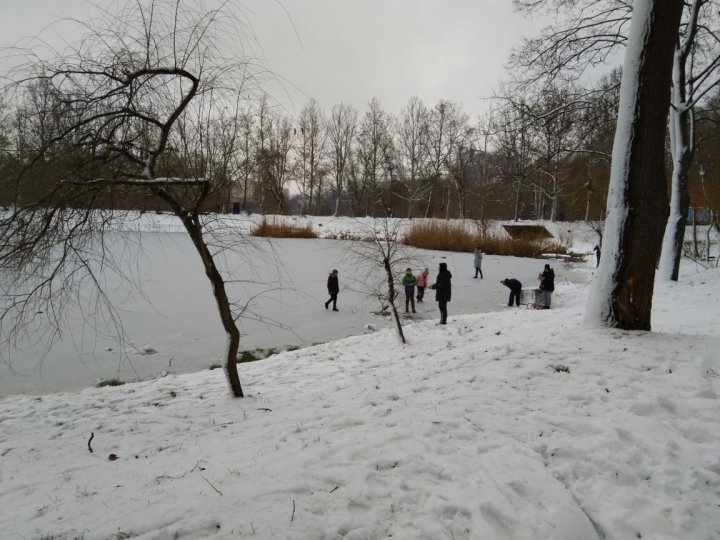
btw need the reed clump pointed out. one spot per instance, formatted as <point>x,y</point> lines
<point>282,229</point>
<point>449,237</point>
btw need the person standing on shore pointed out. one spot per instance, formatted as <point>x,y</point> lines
<point>547,285</point>
<point>443,289</point>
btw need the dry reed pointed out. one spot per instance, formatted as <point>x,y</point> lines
<point>283,230</point>
<point>447,237</point>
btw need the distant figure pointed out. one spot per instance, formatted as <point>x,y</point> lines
<point>515,287</point>
<point>547,285</point>
<point>596,249</point>
<point>478,262</point>
<point>409,281</point>
<point>443,289</point>
<point>333,288</point>
<point>421,284</point>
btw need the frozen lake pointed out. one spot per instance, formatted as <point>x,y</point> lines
<point>283,284</point>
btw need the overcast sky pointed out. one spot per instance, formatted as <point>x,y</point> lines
<point>351,50</point>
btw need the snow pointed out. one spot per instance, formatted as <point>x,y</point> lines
<point>517,424</point>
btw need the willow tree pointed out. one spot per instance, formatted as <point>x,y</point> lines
<point>118,99</point>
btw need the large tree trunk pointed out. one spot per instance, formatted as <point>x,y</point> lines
<point>637,200</point>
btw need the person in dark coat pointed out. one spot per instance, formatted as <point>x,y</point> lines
<point>333,288</point>
<point>596,249</point>
<point>515,287</point>
<point>547,285</point>
<point>443,290</point>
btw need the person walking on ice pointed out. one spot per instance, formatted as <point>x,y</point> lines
<point>443,290</point>
<point>478,262</point>
<point>409,281</point>
<point>515,287</point>
<point>333,288</point>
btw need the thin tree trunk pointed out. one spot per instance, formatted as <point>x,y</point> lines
<point>392,295</point>
<point>194,229</point>
<point>682,146</point>
<point>191,222</point>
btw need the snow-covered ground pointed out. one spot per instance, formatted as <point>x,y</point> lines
<point>517,424</point>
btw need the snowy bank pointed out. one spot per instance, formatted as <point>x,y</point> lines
<point>520,424</point>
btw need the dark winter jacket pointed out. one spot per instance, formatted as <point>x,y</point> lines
<point>442,286</point>
<point>512,284</point>
<point>332,284</point>
<point>547,280</point>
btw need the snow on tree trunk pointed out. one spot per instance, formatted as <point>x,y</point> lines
<point>669,268</point>
<point>682,147</point>
<point>621,296</point>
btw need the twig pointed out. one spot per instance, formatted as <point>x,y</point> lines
<point>208,481</point>
<point>334,489</point>
<point>473,423</point>
<point>92,435</point>
<point>264,409</point>
<point>293,514</point>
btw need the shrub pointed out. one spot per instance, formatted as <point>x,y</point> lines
<point>110,382</point>
<point>283,230</point>
<point>247,356</point>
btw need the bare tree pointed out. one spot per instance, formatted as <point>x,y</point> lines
<point>637,204</point>
<point>244,157</point>
<point>311,151</point>
<point>381,259</point>
<point>374,145</point>
<point>119,98</point>
<point>341,127</point>
<point>555,120</point>
<point>447,130</point>
<point>512,139</point>
<point>273,160</point>
<point>412,149</point>
<point>696,71</point>
<point>588,34</point>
